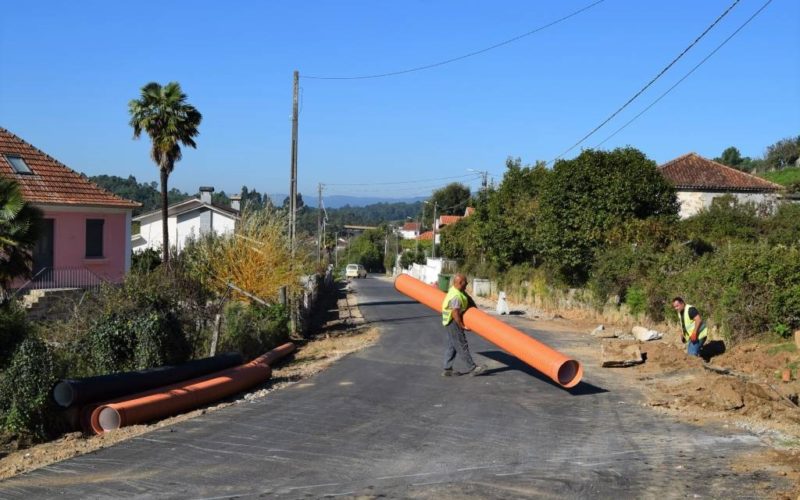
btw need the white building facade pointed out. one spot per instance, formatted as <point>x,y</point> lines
<point>186,221</point>
<point>698,181</point>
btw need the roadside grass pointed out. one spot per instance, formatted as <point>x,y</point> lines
<point>782,347</point>
<point>783,177</point>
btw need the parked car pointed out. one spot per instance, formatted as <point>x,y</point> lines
<point>355,271</point>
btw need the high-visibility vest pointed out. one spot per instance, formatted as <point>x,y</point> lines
<point>688,324</point>
<point>447,313</point>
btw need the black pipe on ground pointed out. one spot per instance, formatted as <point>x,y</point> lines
<point>81,391</point>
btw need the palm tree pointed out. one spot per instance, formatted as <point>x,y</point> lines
<point>19,230</point>
<point>164,114</point>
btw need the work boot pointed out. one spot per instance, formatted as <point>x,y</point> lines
<point>448,373</point>
<point>477,370</point>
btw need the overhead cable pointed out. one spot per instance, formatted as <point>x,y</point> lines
<point>415,181</point>
<point>651,82</point>
<point>686,75</point>
<point>459,58</point>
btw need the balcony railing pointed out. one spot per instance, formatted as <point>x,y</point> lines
<point>66,278</point>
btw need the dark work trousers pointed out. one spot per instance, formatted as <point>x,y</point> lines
<point>456,345</point>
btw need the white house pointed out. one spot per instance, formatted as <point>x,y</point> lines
<point>409,231</point>
<point>698,181</point>
<point>186,220</point>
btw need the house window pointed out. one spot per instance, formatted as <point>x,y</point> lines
<point>94,238</point>
<point>18,164</point>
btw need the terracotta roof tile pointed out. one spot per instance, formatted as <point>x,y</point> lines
<point>52,182</point>
<point>427,235</point>
<point>411,226</point>
<point>449,219</point>
<point>692,171</point>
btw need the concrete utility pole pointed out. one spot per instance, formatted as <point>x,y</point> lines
<point>484,177</point>
<point>293,195</point>
<point>420,221</point>
<point>293,178</point>
<point>319,223</point>
<point>435,206</point>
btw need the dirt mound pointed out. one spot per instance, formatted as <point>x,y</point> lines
<point>739,384</point>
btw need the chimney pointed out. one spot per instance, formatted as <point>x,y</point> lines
<point>236,202</point>
<point>205,194</point>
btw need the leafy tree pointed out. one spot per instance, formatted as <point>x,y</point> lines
<point>583,199</point>
<point>725,221</point>
<point>782,154</point>
<point>254,200</point>
<point>19,230</point>
<point>450,200</point>
<point>367,249</point>
<point>731,157</point>
<point>507,220</point>
<point>300,203</point>
<point>220,198</point>
<point>164,114</point>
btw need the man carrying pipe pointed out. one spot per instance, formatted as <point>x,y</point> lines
<point>454,305</point>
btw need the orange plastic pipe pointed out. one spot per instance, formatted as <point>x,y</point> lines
<point>561,369</point>
<point>186,395</point>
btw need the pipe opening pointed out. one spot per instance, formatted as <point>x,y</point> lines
<point>568,371</point>
<point>63,394</point>
<point>109,419</point>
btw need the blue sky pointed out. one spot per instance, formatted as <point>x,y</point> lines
<point>68,70</point>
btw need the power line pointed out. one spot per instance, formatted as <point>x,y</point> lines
<point>640,92</point>
<point>473,175</point>
<point>407,190</point>
<point>687,74</point>
<point>461,57</point>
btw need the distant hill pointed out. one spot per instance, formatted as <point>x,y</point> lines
<point>148,194</point>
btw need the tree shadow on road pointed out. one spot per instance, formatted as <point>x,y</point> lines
<point>512,363</point>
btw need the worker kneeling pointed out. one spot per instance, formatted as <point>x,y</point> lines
<point>455,304</point>
<point>693,327</point>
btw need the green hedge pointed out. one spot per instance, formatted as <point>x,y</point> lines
<point>25,406</point>
<point>745,289</point>
<point>253,330</point>
<point>14,328</point>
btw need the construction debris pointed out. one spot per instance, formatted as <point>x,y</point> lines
<point>620,355</point>
<point>601,333</point>
<point>643,334</point>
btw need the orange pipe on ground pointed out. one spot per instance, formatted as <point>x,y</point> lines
<point>186,395</point>
<point>561,369</point>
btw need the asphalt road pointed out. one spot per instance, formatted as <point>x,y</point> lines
<point>384,422</point>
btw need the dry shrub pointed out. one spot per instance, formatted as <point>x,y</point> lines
<point>255,258</point>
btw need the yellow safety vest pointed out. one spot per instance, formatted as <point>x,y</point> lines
<point>688,325</point>
<point>447,313</point>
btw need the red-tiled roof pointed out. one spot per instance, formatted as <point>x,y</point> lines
<point>411,226</point>
<point>449,219</point>
<point>52,182</point>
<point>692,171</point>
<point>427,235</point>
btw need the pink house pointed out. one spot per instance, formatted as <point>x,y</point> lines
<point>86,235</point>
